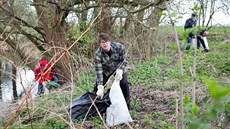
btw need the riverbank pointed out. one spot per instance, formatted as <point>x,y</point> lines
<point>6,110</point>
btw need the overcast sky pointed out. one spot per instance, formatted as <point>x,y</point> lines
<point>184,8</point>
<point>219,18</point>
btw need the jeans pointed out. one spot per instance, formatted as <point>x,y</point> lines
<point>40,86</point>
<point>189,41</point>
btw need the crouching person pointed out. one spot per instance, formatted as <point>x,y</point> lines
<point>44,74</point>
<point>201,39</point>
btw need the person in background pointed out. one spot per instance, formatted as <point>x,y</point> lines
<point>110,58</point>
<point>42,76</point>
<point>190,23</point>
<point>201,39</point>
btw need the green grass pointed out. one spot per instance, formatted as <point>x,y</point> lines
<point>148,72</point>
<point>160,72</point>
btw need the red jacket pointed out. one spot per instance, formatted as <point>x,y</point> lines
<point>40,69</point>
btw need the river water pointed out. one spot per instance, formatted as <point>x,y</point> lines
<point>24,77</point>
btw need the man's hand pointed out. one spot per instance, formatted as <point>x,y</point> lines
<point>205,33</point>
<point>100,91</point>
<point>118,75</point>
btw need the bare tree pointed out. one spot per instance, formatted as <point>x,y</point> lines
<point>43,26</point>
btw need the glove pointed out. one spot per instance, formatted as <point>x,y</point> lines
<point>44,83</point>
<point>118,75</point>
<point>100,91</point>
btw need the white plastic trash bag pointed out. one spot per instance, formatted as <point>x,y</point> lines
<point>193,42</point>
<point>117,113</point>
<point>205,42</point>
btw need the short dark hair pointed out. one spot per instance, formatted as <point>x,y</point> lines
<point>103,36</point>
<point>194,14</point>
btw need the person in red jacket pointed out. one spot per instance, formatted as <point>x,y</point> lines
<point>43,74</point>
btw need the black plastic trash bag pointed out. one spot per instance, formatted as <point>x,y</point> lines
<point>80,106</point>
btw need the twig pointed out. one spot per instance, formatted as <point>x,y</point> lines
<point>27,106</point>
<point>88,111</point>
<point>176,113</point>
<point>98,112</point>
<point>129,125</point>
<point>71,95</point>
<point>3,115</point>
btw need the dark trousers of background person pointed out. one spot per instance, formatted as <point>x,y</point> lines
<point>40,86</point>
<point>124,87</point>
<point>189,43</point>
<point>199,41</point>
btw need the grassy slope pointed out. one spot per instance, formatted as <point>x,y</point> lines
<point>154,87</point>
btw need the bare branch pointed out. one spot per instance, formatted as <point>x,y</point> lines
<point>12,43</point>
<point>22,21</point>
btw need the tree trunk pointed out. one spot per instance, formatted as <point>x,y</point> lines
<point>154,23</point>
<point>14,73</point>
<point>106,20</point>
<point>139,35</point>
<point>83,17</point>
<point>106,24</point>
<point>54,26</point>
<point>126,26</point>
